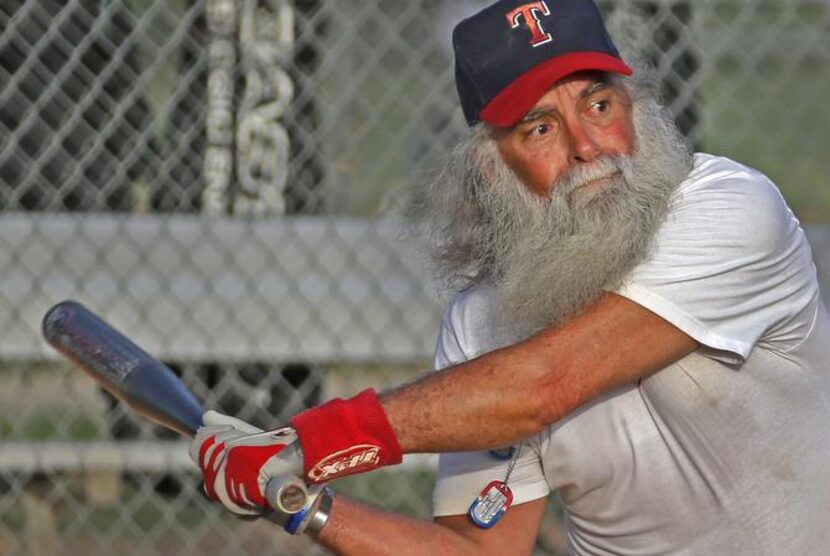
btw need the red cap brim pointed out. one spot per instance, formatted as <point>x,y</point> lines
<point>514,101</point>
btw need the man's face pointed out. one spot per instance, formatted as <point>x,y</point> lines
<point>581,118</point>
<point>548,231</point>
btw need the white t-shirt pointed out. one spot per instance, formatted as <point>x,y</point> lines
<point>726,451</point>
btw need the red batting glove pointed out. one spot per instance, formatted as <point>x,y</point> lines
<point>211,448</point>
<point>211,454</point>
<point>253,460</point>
<point>336,439</point>
<point>345,437</point>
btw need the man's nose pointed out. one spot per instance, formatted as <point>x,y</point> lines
<point>584,147</point>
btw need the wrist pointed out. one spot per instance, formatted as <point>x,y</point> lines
<point>345,437</point>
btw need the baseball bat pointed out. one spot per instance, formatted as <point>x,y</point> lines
<point>144,383</point>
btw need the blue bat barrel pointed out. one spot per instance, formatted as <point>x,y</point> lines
<point>124,369</point>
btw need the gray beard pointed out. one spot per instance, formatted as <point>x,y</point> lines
<point>547,258</point>
<point>551,257</point>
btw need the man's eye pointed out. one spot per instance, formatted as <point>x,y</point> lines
<point>600,106</point>
<point>541,129</point>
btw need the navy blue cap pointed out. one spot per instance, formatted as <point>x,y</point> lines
<point>510,54</point>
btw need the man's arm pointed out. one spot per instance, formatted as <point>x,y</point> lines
<point>489,402</point>
<point>354,528</point>
<point>512,393</point>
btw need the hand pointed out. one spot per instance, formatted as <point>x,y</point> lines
<point>336,439</point>
<point>238,460</point>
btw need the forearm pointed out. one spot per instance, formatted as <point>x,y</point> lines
<point>512,393</point>
<point>484,403</point>
<point>354,528</point>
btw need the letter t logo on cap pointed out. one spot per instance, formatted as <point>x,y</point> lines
<point>530,13</point>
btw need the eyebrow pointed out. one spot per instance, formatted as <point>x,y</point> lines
<point>537,113</point>
<point>598,85</point>
<point>601,82</point>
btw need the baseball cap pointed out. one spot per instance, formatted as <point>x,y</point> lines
<point>508,55</point>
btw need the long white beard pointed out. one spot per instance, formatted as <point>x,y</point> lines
<point>552,257</point>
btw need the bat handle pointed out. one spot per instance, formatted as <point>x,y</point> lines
<point>287,494</point>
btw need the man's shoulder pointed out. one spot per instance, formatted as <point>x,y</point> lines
<point>720,191</point>
<point>711,174</point>
<point>730,266</point>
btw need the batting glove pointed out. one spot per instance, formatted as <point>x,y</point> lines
<point>336,439</point>
<point>345,437</point>
<point>238,460</point>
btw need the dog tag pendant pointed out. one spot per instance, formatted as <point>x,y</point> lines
<point>487,509</point>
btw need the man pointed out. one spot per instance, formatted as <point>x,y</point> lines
<point>666,369</point>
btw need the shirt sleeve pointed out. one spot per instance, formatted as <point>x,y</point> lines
<point>730,266</point>
<point>463,475</point>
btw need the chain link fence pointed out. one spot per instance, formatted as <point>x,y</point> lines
<point>218,178</point>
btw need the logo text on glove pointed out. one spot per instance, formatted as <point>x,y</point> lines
<point>345,462</point>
